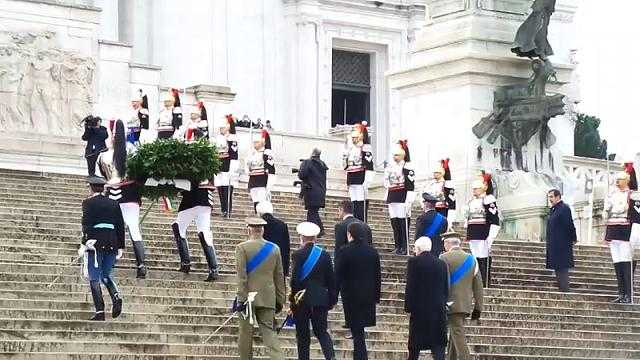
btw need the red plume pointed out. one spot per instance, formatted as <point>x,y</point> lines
<point>633,180</point>
<point>112,123</point>
<point>200,104</point>
<point>486,177</point>
<point>628,167</point>
<point>174,92</point>
<point>229,118</point>
<point>445,164</point>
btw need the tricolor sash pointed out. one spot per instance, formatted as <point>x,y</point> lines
<point>311,261</point>
<point>260,256</point>
<point>462,270</point>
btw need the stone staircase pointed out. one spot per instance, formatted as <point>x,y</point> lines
<point>169,314</point>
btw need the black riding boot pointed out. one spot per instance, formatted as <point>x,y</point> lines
<point>210,256</point>
<point>483,264</point>
<point>626,282</point>
<point>394,227</point>
<point>402,236</point>
<point>183,249</point>
<point>230,201</point>
<point>358,210</point>
<point>116,301</point>
<point>620,279</point>
<point>98,302</point>
<point>138,250</point>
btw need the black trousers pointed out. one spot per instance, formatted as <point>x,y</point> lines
<point>91,164</point>
<point>359,344</point>
<point>313,216</point>
<point>226,199</point>
<point>436,351</point>
<point>562,279</point>
<point>318,318</point>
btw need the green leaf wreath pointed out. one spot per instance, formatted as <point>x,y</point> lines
<point>172,159</point>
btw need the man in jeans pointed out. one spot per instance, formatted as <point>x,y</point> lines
<point>465,283</point>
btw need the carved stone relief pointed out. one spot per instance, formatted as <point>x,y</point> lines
<point>44,89</point>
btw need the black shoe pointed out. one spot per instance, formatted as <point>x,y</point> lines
<point>399,252</point>
<point>225,214</point>
<point>618,299</point>
<point>625,300</point>
<point>213,275</point>
<point>141,273</point>
<point>99,316</point>
<point>395,250</point>
<point>348,335</point>
<point>185,268</point>
<point>116,310</point>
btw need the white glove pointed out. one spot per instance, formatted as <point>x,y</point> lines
<point>368,178</point>
<point>451,217</point>
<point>411,197</point>
<point>271,181</point>
<point>493,234</point>
<point>120,253</point>
<point>634,239</point>
<point>234,167</point>
<point>82,249</point>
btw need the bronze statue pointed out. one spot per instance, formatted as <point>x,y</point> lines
<point>531,38</point>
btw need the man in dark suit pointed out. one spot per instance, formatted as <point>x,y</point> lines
<point>425,298</point>
<point>102,245</point>
<point>359,279</point>
<point>313,292</point>
<point>561,236</point>
<point>345,214</point>
<point>431,224</point>
<point>313,173</point>
<point>95,135</point>
<point>276,231</point>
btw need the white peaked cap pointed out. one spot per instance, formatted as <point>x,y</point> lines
<point>308,229</point>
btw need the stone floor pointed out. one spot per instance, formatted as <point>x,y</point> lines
<point>169,314</point>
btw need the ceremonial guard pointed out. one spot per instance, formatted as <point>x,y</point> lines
<point>227,178</point>
<point>196,205</point>
<point>139,119</point>
<point>313,292</point>
<point>622,207</point>
<point>197,127</point>
<point>113,166</point>
<point>102,244</point>
<point>483,224</point>
<point>399,183</point>
<point>261,168</point>
<point>170,118</point>
<point>261,290</point>
<point>431,224</point>
<point>441,187</point>
<point>358,162</point>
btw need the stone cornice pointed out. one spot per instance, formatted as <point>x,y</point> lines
<point>63,3</point>
<point>215,93</point>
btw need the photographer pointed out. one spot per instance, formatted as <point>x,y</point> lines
<point>313,176</point>
<point>95,136</point>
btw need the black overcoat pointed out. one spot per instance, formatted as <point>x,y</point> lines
<point>423,223</point>
<point>320,284</point>
<point>277,232</point>
<point>340,232</point>
<point>313,173</point>
<point>359,280</point>
<point>95,138</point>
<point>561,235</point>
<point>425,296</point>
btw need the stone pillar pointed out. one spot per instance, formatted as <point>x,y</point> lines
<point>461,55</point>
<point>217,100</point>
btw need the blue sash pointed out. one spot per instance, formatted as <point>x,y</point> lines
<point>435,226</point>
<point>462,270</point>
<point>104,226</point>
<point>311,261</point>
<point>260,256</point>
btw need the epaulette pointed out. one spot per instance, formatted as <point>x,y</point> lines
<point>489,199</point>
<point>635,195</point>
<point>144,111</point>
<point>268,152</point>
<point>367,148</point>
<point>232,137</point>
<point>409,166</point>
<point>177,110</point>
<point>449,184</point>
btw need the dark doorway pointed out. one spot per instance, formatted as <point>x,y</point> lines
<point>351,75</point>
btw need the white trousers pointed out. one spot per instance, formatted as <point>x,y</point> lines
<point>621,251</point>
<point>202,217</point>
<point>357,192</point>
<point>480,248</point>
<point>259,194</point>
<point>131,216</point>
<point>397,210</point>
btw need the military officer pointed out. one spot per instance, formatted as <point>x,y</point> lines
<point>261,168</point>
<point>358,162</point>
<point>399,183</point>
<point>170,118</point>
<point>431,224</point>
<point>261,290</point>
<point>227,178</point>
<point>196,205</point>
<point>113,166</point>
<point>441,187</point>
<point>622,208</point>
<point>483,224</point>
<point>102,244</point>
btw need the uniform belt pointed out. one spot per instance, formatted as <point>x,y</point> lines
<point>396,188</point>
<point>104,226</point>
<point>257,173</point>
<point>360,169</point>
<point>478,221</point>
<point>618,221</point>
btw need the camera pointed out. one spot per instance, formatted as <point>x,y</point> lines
<point>91,121</point>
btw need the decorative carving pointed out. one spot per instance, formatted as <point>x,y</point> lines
<point>44,89</point>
